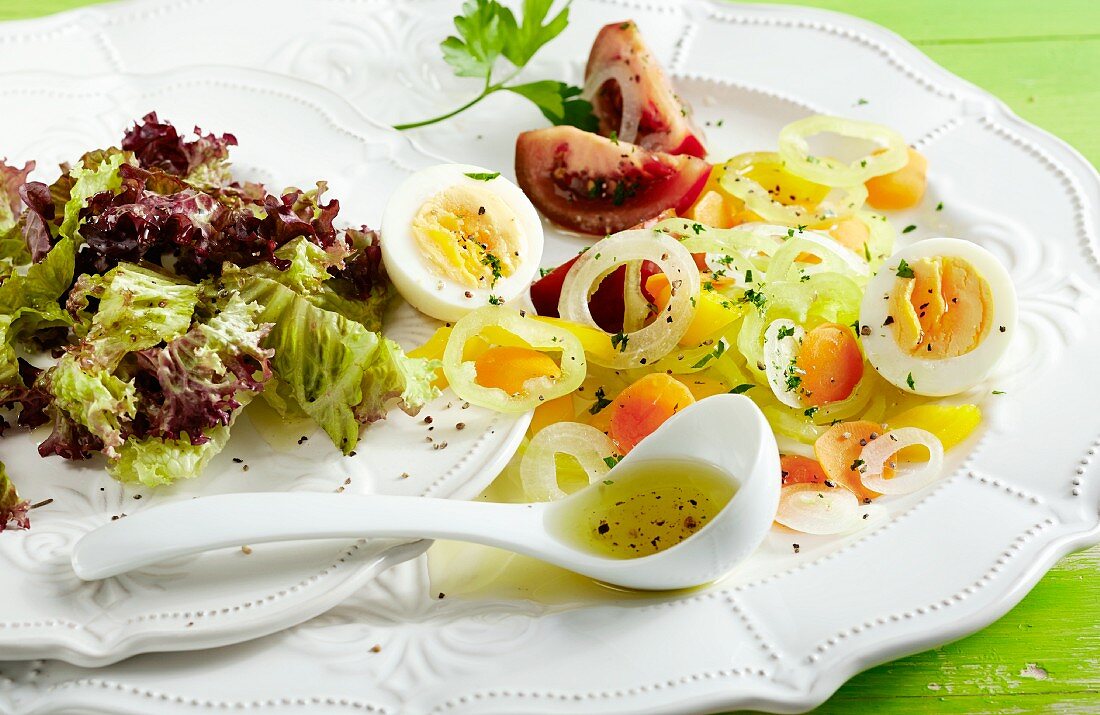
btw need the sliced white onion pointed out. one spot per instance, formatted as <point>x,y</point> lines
<point>834,258</point>
<point>779,357</point>
<point>628,89</point>
<point>652,342</point>
<point>462,374</point>
<point>813,509</point>
<point>636,307</point>
<point>794,147</point>
<point>907,477</point>
<point>840,202</point>
<point>539,471</point>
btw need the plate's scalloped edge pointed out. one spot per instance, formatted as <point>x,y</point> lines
<point>909,60</point>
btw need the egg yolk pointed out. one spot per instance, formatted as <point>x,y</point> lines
<point>470,237</point>
<point>943,311</point>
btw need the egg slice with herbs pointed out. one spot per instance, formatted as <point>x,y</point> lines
<point>938,316</point>
<point>456,237</point>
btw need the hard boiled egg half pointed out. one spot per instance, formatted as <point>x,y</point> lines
<point>456,237</point>
<point>941,313</point>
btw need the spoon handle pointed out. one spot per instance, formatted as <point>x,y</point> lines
<point>231,520</point>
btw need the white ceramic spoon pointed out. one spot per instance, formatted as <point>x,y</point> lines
<point>727,431</point>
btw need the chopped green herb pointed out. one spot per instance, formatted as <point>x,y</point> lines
<point>910,381</point>
<point>909,229</point>
<point>810,411</point>
<point>905,271</point>
<point>998,392</point>
<point>614,137</point>
<point>698,228</point>
<point>485,176</point>
<point>611,462</point>
<point>608,482</point>
<point>712,355</point>
<point>939,206</point>
<point>600,403</point>
<point>867,251</point>
<point>495,300</point>
<point>619,340</point>
<point>785,331</point>
<point>756,298</point>
<point>742,388</point>
<point>544,271</point>
<point>748,276</point>
<point>861,101</point>
<point>856,465</point>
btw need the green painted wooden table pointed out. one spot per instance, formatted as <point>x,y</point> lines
<point>1043,58</point>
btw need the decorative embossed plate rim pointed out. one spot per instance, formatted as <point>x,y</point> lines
<point>757,652</point>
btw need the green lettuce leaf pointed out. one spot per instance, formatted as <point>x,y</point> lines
<point>91,396</point>
<point>327,365</point>
<point>394,378</point>
<point>138,308</point>
<point>154,462</point>
<point>29,303</point>
<point>88,183</point>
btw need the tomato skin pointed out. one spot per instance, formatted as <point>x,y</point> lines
<point>591,184</point>
<point>607,303</point>
<point>665,120</point>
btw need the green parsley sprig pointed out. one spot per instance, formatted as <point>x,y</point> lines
<point>487,32</point>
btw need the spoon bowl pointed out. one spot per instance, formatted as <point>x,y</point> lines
<point>726,432</point>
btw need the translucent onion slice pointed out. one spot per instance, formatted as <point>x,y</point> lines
<point>794,147</point>
<point>880,244</point>
<point>652,342</point>
<point>462,375</point>
<point>832,258</point>
<point>636,306</point>
<point>782,340</point>
<point>631,103</point>
<point>539,471</point>
<point>907,477</point>
<point>813,509</point>
<point>839,203</point>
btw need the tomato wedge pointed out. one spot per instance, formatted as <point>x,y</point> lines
<point>595,185</point>
<point>632,97</point>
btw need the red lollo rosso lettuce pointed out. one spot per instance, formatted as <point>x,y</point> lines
<point>11,180</point>
<point>194,382</point>
<point>13,510</point>
<point>157,145</point>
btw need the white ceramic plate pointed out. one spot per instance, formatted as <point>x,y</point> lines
<point>304,134</point>
<point>787,629</point>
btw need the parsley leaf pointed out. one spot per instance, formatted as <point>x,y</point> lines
<point>487,31</point>
<point>905,271</point>
<point>600,403</point>
<point>496,300</point>
<point>910,381</point>
<point>719,349</point>
<point>611,462</point>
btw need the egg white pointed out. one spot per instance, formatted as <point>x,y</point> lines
<point>947,376</point>
<point>436,295</point>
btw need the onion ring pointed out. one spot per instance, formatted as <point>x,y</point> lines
<point>462,374</point>
<point>813,509</point>
<point>794,147</point>
<point>652,342</point>
<point>879,451</point>
<point>538,470</point>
